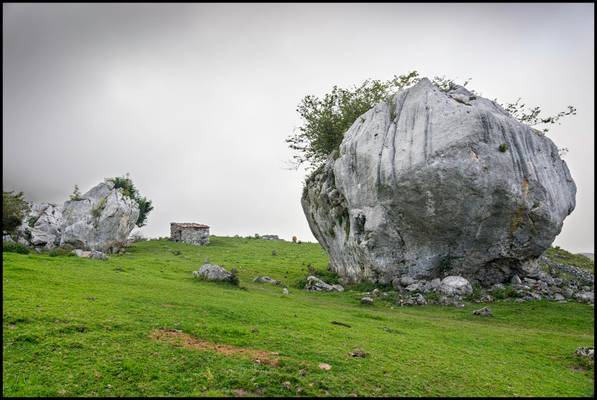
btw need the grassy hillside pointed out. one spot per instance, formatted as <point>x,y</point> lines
<point>140,325</point>
<point>562,256</point>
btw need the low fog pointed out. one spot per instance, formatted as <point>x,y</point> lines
<point>195,100</point>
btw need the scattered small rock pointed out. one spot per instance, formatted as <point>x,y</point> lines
<point>585,297</point>
<point>366,300</point>
<point>484,312</point>
<point>213,272</point>
<point>486,298</point>
<point>325,367</point>
<point>285,292</point>
<point>82,253</point>
<point>559,297</point>
<point>586,352</point>
<point>98,255</point>
<point>317,285</point>
<point>358,353</point>
<point>266,279</point>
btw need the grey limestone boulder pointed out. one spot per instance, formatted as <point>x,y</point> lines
<point>455,285</point>
<point>421,184</point>
<point>42,226</point>
<point>101,219</point>
<point>213,272</point>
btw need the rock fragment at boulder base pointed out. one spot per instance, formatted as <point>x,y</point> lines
<point>213,272</point>
<point>366,300</point>
<point>455,285</point>
<point>420,187</point>
<point>317,285</point>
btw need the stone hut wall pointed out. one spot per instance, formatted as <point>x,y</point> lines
<point>189,233</point>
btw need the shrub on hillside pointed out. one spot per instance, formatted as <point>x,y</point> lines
<point>14,209</point>
<point>14,247</point>
<point>60,252</point>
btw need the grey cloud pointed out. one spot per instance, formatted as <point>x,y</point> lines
<point>195,100</point>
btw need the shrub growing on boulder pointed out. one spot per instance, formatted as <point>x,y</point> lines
<point>129,190</point>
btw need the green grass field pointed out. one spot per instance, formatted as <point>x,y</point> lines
<point>81,327</point>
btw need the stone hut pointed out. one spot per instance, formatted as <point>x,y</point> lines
<point>189,233</point>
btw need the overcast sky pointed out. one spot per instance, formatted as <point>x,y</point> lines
<point>195,100</point>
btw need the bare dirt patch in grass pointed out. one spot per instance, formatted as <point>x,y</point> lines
<point>179,338</point>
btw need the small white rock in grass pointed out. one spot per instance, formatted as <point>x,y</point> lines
<point>285,292</point>
<point>325,367</point>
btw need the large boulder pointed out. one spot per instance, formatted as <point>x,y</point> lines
<point>436,183</point>
<point>41,227</point>
<point>100,219</point>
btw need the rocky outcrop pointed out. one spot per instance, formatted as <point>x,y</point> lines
<point>101,219</point>
<point>42,226</point>
<point>438,183</point>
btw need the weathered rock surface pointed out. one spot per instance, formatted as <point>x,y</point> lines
<point>420,188</point>
<point>455,285</point>
<point>317,285</point>
<point>213,272</point>
<point>42,226</point>
<point>101,220</point>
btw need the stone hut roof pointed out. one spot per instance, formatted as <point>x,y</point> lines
<point>189,225</point>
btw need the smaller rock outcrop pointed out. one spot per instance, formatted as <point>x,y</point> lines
<point>41,228</point>
<point>213,272</point>
<point>317,285</point>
